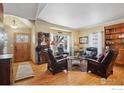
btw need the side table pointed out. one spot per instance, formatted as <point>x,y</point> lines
<point>82,63</point>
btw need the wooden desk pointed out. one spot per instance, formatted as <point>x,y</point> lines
<point>6,69</point>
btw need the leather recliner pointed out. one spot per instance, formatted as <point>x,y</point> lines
<point>105,67</point>
<point>56,64</point>
<point>91,52</point>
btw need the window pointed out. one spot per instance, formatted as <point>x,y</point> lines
<point>58,40</point>
<point>95,40</point>
<point>22,38</point>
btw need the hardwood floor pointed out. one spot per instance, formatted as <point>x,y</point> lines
<point>44,77</point>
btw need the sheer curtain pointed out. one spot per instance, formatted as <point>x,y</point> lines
<point>95,40</point>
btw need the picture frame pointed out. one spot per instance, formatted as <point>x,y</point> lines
<point>83,40</point>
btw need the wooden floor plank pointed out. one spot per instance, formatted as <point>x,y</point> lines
<point>44,77</point>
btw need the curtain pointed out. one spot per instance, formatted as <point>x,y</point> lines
<point>95,40</point>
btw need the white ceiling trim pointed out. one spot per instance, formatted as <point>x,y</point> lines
<point>40,7</point>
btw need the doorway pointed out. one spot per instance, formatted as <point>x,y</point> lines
<point>22,43</point>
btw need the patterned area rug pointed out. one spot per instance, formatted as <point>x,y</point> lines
<point>24,71</point>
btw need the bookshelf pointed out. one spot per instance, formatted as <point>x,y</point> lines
<point>114,38</point>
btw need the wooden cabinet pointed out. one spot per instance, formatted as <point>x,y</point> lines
<point>44,43</point>
<point>120,58</point>
<point>6,74</point>
<point>43,55</point>
<point>5,59</point>
<point>114,38</point>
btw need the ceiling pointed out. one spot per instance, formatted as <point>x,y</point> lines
<point>25,10</point>
<point>76,15</point>
<point>19,22</point>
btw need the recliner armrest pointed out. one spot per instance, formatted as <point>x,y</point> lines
<point>94,63</point>
<point>59,57</point>
<point>92,60</point>
<point>63,59</point>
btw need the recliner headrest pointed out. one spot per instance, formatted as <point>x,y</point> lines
<point>91,49</point>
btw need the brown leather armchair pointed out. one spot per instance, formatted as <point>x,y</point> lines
<point>105,67</point>
<point>56,64</point>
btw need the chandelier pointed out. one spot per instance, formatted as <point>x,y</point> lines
<point>14,25</point>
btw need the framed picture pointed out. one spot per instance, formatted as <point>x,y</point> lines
<point>83,40</point>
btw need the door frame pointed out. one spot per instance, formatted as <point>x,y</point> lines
<point>14,42</point>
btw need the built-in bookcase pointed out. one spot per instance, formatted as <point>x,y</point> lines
<point>114,36</point>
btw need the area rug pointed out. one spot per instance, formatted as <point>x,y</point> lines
<point>77,66</point>
<point>24,71</point>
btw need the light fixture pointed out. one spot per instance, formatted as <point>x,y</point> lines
<point>14,24</point>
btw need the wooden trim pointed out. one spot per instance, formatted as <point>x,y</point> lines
<point>1,12</point>
<point>114,26</point>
